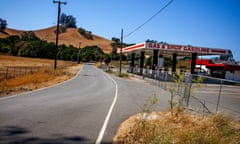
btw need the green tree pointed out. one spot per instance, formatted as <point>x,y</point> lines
<point>107,58</point>
<point>3,24</point>
<point>91,53</point>
<point>38,49</point>
<point>29,36</point>
<point>116,40</point>
<point>10,45</point>
<point>85,33</point>
<point>67,21</point>
<point>67,53</point>
<point>115,45</point>
<point>28,51</point>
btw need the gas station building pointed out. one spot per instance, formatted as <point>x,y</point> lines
<point>159,50</point>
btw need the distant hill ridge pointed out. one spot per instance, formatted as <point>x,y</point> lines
<point>70,37</point>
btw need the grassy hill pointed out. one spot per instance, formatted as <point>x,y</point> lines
<point>70,37</point>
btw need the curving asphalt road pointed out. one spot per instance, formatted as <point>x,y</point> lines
<point>75,111</point>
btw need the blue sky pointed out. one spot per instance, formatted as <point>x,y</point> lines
<point>206,23</point>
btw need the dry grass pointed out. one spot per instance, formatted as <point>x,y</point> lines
<point>6,61</point>
<point>34,78</point>
<point>183,129</point>
<point>43,78</point>
<point>73,37</point>
<point>13,66</point>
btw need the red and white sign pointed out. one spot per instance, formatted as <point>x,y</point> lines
<point>175,48</point>
<point>184,48</point>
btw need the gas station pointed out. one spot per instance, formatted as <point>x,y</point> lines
<point>159,50</point>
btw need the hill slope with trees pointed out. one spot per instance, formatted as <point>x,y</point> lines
<point>71,36</point>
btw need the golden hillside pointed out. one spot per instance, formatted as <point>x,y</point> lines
<point>8,32</point>
<point>70,37</point>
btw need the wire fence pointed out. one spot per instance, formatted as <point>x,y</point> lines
<point>8,72</point>
<point>212,95</point>
<point>215,95</point>
<point>11,72</point>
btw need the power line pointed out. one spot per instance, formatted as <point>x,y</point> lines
<point>159,11</point>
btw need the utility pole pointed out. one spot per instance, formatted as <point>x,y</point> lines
<point>59,11</point>
<point>121,43</point>
<point>78,57</point>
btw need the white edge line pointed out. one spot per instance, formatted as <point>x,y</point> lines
<point>102,131</point>
<point>23,94</point>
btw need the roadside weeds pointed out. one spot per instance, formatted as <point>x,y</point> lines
<point>185,128</point>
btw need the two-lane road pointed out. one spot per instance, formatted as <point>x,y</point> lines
<point>72,112</point>
<point>75,111</point>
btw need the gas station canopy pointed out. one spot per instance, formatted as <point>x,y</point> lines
<point>173,48</point>
<point>161,49</point>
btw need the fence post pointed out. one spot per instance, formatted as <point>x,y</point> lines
<point>187,89</point>
<point>14,72</point>
<point>220,90</point>
<point>6,76</point>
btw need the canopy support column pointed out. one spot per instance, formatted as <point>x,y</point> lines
<point>174,63</point>
<point>193,64</point>
<point>142,62</point>
<point>155,61</point>
<point>132,62</point>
